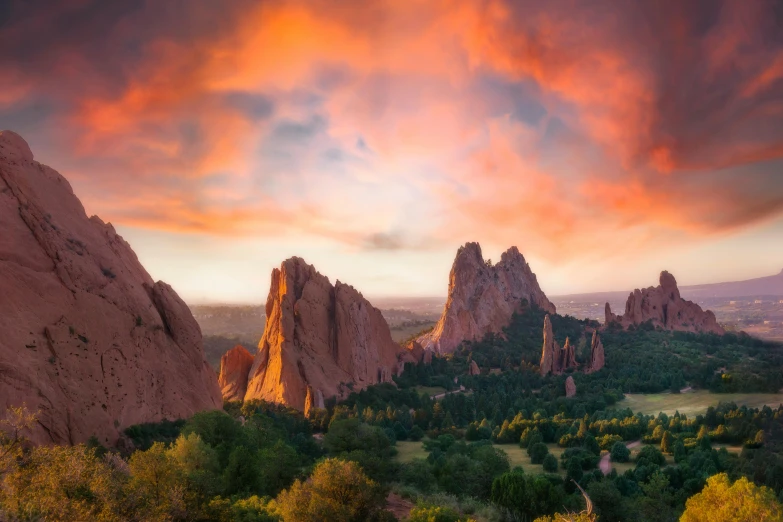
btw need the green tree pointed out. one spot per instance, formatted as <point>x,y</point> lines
<point>537,452</point>
<point>157,481</point>
<point>550,463</point>
<point>620,452</point>
<point>435,514</point>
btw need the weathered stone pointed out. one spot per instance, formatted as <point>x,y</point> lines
<point>570,387</point>
<point>482,298</point>
<point>663,306</point>
<point>329,338</point>
<point>234,367</point>
<point>596,354</point>
<point>547,363</point>
<point>88,338</point>
<point>474,369</point>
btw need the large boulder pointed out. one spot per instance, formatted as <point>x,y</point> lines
<point>663,306</point>
<point>482,298</point>
<point>87,338</point>
<point>320,341</point>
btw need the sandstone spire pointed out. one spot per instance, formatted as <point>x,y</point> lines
<point>474,369</point>
<point>548,352</point>
<point>482,298</point>
<point>663,306</point>
<point>88,338</point>
<point>234,367</point>
<point>320,337</point>
<point>570,387</point>
<point>596,354</point>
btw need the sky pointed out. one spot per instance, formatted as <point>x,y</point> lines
<point>607,140</point>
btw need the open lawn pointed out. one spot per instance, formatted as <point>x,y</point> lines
<point>430,390</point>
<point>408,450</point>
<point>694,402</point>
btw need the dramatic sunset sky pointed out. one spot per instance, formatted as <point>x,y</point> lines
<point>608,140</point>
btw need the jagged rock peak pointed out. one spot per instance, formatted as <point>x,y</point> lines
<point>483,297</point>
<point>318,336</point>
<point>234,368</point>
<point>570,387</point>
<point>88,338</point>
<point>596,354</point>
<point>666,309</point>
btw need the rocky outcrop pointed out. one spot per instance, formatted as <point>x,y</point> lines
<point>554,359</point>
<point>663,306</point>
<point>320,340</point>
<point>596,354</point>
<point>313,400</point>
<point>87,338</point>
<point>567,357</point>
<point>474,369</point>
<point>570,387</point>
<point>234,368</point>
<point>482,298</point>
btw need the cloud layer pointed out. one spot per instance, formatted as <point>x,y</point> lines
<point>384,125</point>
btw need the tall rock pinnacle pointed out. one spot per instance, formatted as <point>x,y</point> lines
<point>482,298</point>
<point>88,339</point>
<point>320,341</point>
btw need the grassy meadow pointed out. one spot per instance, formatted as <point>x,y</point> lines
<point>695,402</point>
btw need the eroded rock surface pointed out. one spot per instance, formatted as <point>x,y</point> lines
<point>320,340</point>
<point>234,368</point>
<point>570,387</point>
<point>86,336</point>
<point>482,298</point>
<point>666,309</point>
<point>474,369</point>
<point>596,354</point>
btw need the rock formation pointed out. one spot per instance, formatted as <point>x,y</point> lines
<point>474,369</point>
<point>548,352</point>
<point>666,309</point>
<point>320,340</point>
<point>596,354</point>
<point>87,338</point>
<point>570,387</point>
<point>482,298</point>
<point>567,358</point>
<point>554,359</point>
<point>234,368</point>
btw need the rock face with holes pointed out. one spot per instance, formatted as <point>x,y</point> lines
<point>320,341</point>
<point>234,367</point>
<point>663,306</point>
<point>482,298</point>
<point>87,338</point>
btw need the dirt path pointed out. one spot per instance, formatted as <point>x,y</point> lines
<point>398,505</point>
<point>441,395</point>
<point>606,464</point>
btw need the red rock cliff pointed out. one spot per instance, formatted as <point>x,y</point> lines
<point>319,341</point>
<point>482,298</point>
<point>665,308</point>
<point>86,336</point>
